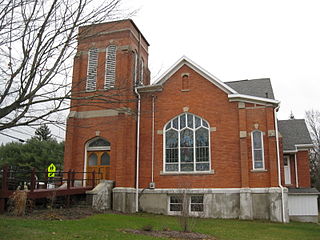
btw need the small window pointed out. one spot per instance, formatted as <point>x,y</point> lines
<point>105,159</point>
<point>93,159</point>
<point>141,72</point>
<point>110,68</point>
<point>196,203</point>
<point>99,142</point>
<point>135,69</point>
<point>192,202</point>
<point>257,150</point>
<point>185,82</point>
<point>175,204</point>
<point>92,69</point>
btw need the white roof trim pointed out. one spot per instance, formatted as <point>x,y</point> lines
<point>186,61</point>
<point>237,96</point>
<point>290,151</point>
<point>304,145</point>
<point>299,147</point>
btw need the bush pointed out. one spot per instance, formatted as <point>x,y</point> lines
<point>18,202</point>
<point>147,228</point>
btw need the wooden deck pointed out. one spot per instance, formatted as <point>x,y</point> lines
<point>66,182</point>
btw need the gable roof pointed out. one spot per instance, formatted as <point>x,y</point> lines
<point>253,91</point>
<point>253,87</point>
<point>186,61</point>
<point>295,134</point>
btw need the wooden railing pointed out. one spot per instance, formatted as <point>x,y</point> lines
<point>39,185</point>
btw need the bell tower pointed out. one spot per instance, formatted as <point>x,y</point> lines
<point>111,60</point>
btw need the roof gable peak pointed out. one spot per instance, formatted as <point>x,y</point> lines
<point>184,60</point>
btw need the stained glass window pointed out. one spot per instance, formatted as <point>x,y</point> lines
<point>93,159</point>
<point>105,159</point>
<point>187,144</point>
<point>99,142</point>
<point>257,150</point>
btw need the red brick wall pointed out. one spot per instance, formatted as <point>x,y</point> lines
<point>211,103</point>
<point>231,157</point>
<point>119,130</point>
<point>303,169</point>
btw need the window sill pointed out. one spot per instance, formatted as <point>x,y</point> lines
<point>187,173</point>
<point>185,90</point>
<point>97,90</point>
<point>258,170</point>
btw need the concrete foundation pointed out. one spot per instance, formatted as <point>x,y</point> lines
<point>247,203</point>
<point>124,200</point>
<point>313,219</point>
<point>101,195</point>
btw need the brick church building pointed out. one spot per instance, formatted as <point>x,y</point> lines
<point>188,132</point>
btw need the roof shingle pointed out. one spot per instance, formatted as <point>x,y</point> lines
<point>254,87</point>
<point>293,131</point>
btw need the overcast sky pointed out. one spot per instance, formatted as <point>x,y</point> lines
<point>240,39</point>
<point>236,40</point>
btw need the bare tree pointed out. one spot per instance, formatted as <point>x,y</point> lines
<point>37,39</point>
<point>313,122</point>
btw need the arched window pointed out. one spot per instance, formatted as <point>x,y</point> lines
<point>92,69</point>
<point>110,68</point>
<point>186,143</point>
<point>141,72</point>
<point>135,69</point>
<point>98,144</point>
<point>257,150</point>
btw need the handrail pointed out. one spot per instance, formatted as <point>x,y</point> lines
<point>33,179</point>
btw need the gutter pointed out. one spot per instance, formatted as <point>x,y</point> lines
<point>249,98</point>
<point>138,129</point>
<point>296,170</point>
<point>278,160</point>
<point>138,149</point>
<point>152,140</point>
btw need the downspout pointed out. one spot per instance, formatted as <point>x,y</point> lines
<point>296,168</point>
<point>138,133</point>
<point>278,160</point>
<point>138,149</point>
<point>152,140</point>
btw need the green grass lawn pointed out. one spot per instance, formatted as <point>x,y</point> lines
<point>106,226</point>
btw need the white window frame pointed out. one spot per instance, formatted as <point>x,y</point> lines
<point>194,147</point>
<point>287,157</point>
<point>189,196</point>
<point>169,203</point>
<point>190,203</point>
<point>262,150</point>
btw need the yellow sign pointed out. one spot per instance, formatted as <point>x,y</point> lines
<point>51,170</point>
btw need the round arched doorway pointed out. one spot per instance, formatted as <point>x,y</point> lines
<point>98,157</point>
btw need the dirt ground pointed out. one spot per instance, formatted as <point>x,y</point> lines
<point>172,234</point>
<point>59,213</point>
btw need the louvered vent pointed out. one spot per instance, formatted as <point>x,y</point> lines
<point>92,69</point>
<point>110,76</point>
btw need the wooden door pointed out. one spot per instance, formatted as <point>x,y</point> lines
<point>99,161</point>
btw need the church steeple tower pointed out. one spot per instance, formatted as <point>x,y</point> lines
<point>111,60</point>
